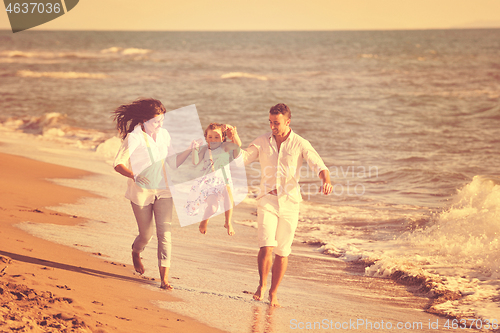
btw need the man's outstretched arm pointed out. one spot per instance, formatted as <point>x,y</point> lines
<point>327,187</point>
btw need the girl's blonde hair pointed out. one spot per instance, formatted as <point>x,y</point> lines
<point>215,126</point>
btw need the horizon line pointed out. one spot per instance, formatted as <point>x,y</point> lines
<point>257,30</point>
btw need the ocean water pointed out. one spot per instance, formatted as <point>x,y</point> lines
<point>408,123</point>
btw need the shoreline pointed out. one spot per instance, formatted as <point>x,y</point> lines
<point>46,284</point>
<point>316,286</point>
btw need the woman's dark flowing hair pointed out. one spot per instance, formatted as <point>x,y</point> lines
<point>127,116</point>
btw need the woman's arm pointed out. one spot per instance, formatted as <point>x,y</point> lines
<point>182,157</point>
<point>123,170</point>
<point>198,155</point>
<point>196,158</point>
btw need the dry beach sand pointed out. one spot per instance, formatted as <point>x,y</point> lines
<point>50,287</point>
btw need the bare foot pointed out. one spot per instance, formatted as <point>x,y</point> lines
<point>273,301</point>
<point>136,258</point>
<point>258,296</point>
<point>166,286</point>
<point>203,226</point>
<point>229,227</point>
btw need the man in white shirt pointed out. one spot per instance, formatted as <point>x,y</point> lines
<point>280,154</point>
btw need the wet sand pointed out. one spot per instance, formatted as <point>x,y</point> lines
<point>213,275</point>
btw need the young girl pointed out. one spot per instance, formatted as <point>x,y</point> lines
<point>215,185</point>
<point>144,149</point>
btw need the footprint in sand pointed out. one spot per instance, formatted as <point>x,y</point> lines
<point>31,210</point>
<point>64,287</point>
<point>147,278</point>
<point>6,260</point>
<point>114,263</point>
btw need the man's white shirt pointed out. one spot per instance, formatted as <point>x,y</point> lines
<point>281,169</point>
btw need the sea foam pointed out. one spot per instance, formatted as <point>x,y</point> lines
<point>467,233</point>
<point>61,75</point>
<point>234,75</point>
<point>455,257</point>
<point>52,126</point>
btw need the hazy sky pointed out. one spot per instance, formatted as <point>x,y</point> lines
<point>274,15</point>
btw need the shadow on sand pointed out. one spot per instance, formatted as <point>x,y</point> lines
<point>77,269</point>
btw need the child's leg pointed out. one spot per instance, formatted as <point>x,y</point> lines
<point>228,207</point>
<point>212,206</point>
<point>228,225</point>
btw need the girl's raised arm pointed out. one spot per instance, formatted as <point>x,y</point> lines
<point>235,143</point>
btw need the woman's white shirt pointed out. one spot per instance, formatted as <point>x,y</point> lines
<point>136,156</point>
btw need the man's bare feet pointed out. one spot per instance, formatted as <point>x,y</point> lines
<point>203,226</point>
<point>259,294</point>
<point>229,227</point>
<point>136,259</point>
<point>166,286</point>
<point>273,301</point>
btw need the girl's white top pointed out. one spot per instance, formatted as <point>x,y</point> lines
<point>221,160</point>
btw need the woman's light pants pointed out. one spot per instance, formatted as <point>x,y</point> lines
<point>161,210</point>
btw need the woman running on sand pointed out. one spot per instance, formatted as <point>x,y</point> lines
<point>141,158</point>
